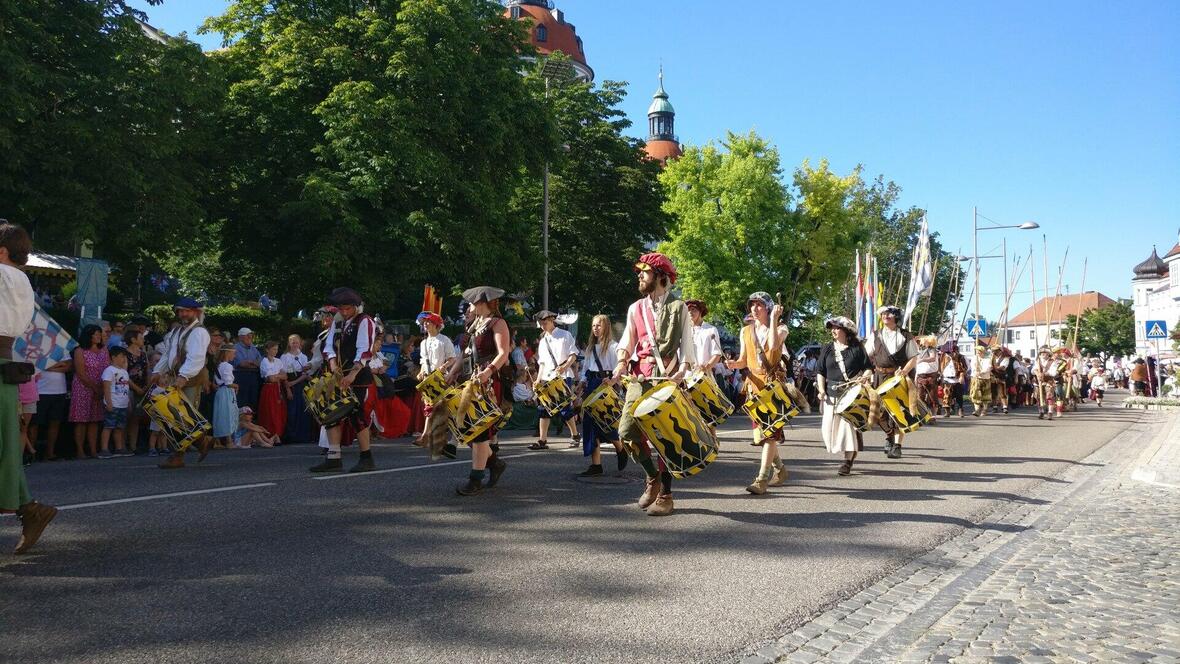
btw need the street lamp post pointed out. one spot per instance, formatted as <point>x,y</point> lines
<point>1028,225</point>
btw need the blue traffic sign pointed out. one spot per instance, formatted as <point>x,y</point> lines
<point>977,328</point>
<point>1156,329</point>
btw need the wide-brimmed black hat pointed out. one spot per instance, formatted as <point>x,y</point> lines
<point>343,296</point>
<point>483,294</point>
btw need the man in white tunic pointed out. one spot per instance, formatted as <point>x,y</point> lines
<point>557,355</point>
<point>182,365</point>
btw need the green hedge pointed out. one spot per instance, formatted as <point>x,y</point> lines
<point>232,317</point>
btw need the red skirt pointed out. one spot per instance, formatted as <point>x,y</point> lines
<point>417,408</point>
<point>272,410</point>
<point>393,417</point>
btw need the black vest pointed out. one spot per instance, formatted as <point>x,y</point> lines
<point>346,336</point>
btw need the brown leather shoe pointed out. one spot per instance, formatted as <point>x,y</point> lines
<point>33,517</point>
<point>172,462</point>
<point>651,493</point>
<point>758,487</point>
<point>662,506</point>
<point>203,447</point>
<point>780,476</point>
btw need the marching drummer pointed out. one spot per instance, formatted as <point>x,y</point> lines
<point>893,352</point>
<point>761,355</point>
<point>438,354</point>
<point>557,355</point>
<point>705,339</point>
<point>182,366</point>
<point>842,363</point>
<point>658,332</point>
<point>600,353</point>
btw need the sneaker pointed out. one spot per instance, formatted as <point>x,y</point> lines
<point>124,453</point>
<point>593,471</point>
<point>894,452</point>
<point>105,455</point>
<point>153,452</point>
<point>575,441</point>
<point>328,466</point>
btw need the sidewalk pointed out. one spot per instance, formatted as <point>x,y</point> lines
<point>1086,570</point>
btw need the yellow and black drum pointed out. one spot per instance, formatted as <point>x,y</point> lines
<point>328,402</point>
<point>771,408</point>
<point>554,395</point>
<point>181,423</point>
<point>895,398</point>
<point>854,405</point>
<point>604,407</point>
<point>433,386</point>
<point>676,429</point>
<point>706,395</point>
<point>481,412</point>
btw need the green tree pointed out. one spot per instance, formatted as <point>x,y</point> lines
<point>1109,329</point>
<point>106,132</point>
<point>605,200</point>
<point>376,144</point>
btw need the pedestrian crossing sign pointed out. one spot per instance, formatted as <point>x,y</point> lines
<point>1156,329</point>
<point>977,328</point>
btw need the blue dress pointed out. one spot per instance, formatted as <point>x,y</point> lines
<point>225,412</point>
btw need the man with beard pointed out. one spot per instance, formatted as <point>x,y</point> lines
<point>656,345</point>
<point>182,366</point>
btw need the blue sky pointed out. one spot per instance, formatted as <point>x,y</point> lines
<point>1065,113</point>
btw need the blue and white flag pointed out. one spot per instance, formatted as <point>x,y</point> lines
<point>44,344</point>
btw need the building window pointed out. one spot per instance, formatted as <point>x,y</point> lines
<point>515,12</point>
<point>542,33</point>
<point>581,49</point>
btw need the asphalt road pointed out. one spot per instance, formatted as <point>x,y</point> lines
<point>394,567</point>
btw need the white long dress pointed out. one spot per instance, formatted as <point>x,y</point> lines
<point>839,436</point>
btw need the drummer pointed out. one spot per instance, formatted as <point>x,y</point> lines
<point>437,354</point>
<point>656,344</point>
<point>893,352</point>
<point>557,356</point>
<point>705,339</point>
<point>600,353</point>
<point>182,366</point>
<point>841,362</point>
<point>761,355</point>
<point>490,345</point>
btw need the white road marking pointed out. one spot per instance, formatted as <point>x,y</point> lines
<point>340,476</point>
<point>161,496</point>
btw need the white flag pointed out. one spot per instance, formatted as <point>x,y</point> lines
<point>921,272</point>
<point>44,344</point>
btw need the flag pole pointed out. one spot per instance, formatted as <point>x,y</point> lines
<point>929,298</point>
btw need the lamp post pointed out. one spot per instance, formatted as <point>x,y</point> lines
<point>560,72</point>
<point>1026,226</point>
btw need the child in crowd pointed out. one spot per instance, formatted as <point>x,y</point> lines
<point>1098,386</point>
<point>156,442</point>
<point>272,409</point>
<point>116,399</point>
<point>522,391</point>
<point>249,433</point>
<point>225,402</point>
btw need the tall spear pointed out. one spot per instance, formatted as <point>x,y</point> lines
<point>1077,322</point>
<point>1057,293</point>
<point>1048,326</point>
<point>1032,284</point>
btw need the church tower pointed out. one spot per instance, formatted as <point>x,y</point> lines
<point>662,143</point>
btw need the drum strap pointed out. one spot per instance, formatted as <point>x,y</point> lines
<point>651,336</point>
<point>549,350</point>
<point>594,352</point>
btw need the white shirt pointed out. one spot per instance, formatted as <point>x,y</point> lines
<point>271,367</point>
<point>522,392</point>
<point>294,363</point>
<point>225,374</point>
<point>608,359</point>
<point>435,351</point>
<point>927,362</point>
<point>120,386</point>
<point>194,348</point>
<point>16,302</point>
<point>553,349</point>
<point>647,307</point>
<point>762,336</point>
<point>950,372</point>
<point>1098,382</point>
<point>51,382</point>
<point>706,342</point>
<point>364,340</point>
<point>892,340</point>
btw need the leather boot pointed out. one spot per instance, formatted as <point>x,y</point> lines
<point>496,468</point>
<point>662,506</point>
<point>780,476</point>
<point>176,460</point>
<point>758,486</point>
<point>328,466</point>
<point>469,488</point>
<point>203,448</point>
<point>895,451</point>
<point>33,518</point>
<point>651,492</point>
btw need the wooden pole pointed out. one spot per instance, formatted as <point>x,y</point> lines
<point>1077,323</point>
<point>1032,284</point>
<point>1048,329</point>
<point>1057,293</point>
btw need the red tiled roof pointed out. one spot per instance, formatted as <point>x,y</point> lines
<point>662,151</point>
<point>1067,305</point>
<point>560,36</point>
<point>1175,250</point>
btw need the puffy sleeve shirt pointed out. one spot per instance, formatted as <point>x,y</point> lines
<point>553,349</point>
<point>294,363</point>
<point>645,307</point>
<point>706,342</point>
<point>270,367</point>
<point>195,346</point>
<point>435,351</point>
<point>364,340</point>
<point>597,361</point>
<point>225,374</point>
<point>16,302</point>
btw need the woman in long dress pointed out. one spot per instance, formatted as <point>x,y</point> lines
<point>840,362</point>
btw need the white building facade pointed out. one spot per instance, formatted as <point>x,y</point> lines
<point>1155,295</point>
